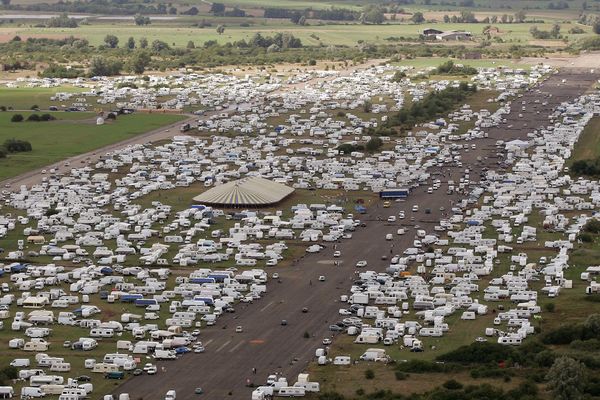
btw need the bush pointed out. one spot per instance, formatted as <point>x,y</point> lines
<point>592,226</point>
<point>369,374</point>
<point>550,307</point>
<point>401,376</point>
<point>17,146</point>
<point>17,118</point>
<point>452,385</point>
<point>420,366</point>
<point>479,353</point>
<point>585,237</point>
<point>34,118</point>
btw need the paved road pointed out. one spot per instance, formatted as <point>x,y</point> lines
<point>223,369</point>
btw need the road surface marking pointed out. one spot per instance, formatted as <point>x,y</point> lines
<point>224,344</point>
<point>265,307</point>
<point>234,348</point>
<point>207,343</point>
<point>256,341</point>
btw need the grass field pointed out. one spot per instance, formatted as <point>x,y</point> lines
<point>178,34</point>
<point>23,98</point>
<point>69,135</point>
<point>588,145</point>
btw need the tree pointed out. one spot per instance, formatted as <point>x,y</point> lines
<point>130,43</point>
<point>417,18</point>
<point>372,14</point>
<point>140,61</point>
<point>143,43</point>
<point>520,16</point>
<point>374,144</point>
<point>141,20</point>
<point>111,41</point>
<point>191,11</point>
<point>555,31</point>
<point>596,27</point>
<point>191,45</point>
<point>566,379</point>
<point>159,45</point>
<point>172,11</point>
<point>101,66</point>
<point>217,8</point>
<point>17,118</point>
<point>220,29</point>
<point>446,19</point>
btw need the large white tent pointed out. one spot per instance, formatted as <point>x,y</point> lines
<point>246,192</point>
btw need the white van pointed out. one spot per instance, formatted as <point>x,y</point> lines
<point>20,362</point>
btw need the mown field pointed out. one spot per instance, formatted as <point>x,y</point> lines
<point>69,135</point>
<point>23,98</point>
<point>588,145</point>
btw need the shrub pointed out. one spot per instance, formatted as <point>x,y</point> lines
<point>452,385</point>
<point>369,374</point>
<point>400,376</point>
<point>34,118</point>
<point>420,366</point>
<point>17,146</point>
<point>550,307</point>
<point>479,353</point>
<point>16,118</point>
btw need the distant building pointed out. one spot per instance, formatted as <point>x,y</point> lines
<point>432,32</point>
<point>454,35</point>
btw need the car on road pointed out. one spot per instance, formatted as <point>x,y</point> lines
<point>199,349</point>
<point>322,278</point>
<point>239,329</point>
<point>148,366</point>
<point>343,311</point>
<point>284,322</point>
<point>196,332</point>
<point>152,370</point>
<point>326,341</point>
<point>337,253</point>
<point>275,275</point>
<point>304,309</point>
<point>198,390</point>
<point>182,350</point>
<point>136,372</point>
<point>335,328</point>
<point>415,208</point>
<point>391,218</point>
<point>361,263</point>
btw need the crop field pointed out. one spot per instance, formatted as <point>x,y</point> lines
<point>69,135</point>
<point>178,34</point>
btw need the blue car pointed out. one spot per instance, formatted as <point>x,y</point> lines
<point>182,350</point>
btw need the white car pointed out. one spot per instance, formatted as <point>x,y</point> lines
<point>337,253</point>
<point>361,263</point>
<point>148,366</point>
<point>322,278</point>
<point>391,218</point>
<point>152,370</point>
<point>326,341</point>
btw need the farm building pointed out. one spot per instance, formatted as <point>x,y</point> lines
<point>246,192</point>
